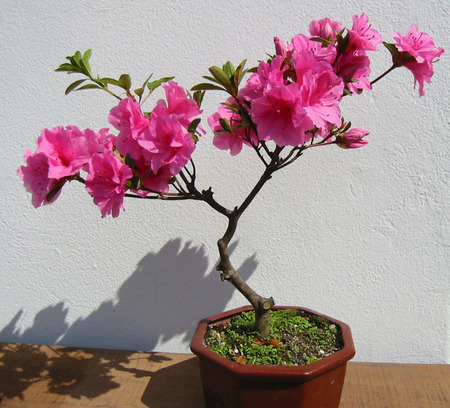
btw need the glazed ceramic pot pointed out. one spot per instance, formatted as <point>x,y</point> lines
<point>227,384</point>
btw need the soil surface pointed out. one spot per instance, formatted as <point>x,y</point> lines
<point>297,338</point>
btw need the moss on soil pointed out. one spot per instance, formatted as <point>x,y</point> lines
<point>297,338</point>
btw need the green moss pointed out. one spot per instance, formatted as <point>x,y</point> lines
<point>297,338</point>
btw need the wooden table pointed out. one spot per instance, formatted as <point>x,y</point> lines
<point>48,376</point>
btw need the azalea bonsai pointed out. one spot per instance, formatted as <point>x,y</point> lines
<point>286,105</point>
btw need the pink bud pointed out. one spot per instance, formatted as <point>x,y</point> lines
<point>352,139</point>
<point>280,46</point>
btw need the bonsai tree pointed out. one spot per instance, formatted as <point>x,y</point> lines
<point>288,104</point>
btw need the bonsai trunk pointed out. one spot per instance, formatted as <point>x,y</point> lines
<point>262,305</point>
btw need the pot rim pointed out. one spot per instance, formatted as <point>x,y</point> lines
<point>308,371</point>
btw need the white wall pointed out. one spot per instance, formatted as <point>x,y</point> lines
<point>360,235</point>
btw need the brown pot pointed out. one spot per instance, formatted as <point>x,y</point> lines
<point>227,384</point>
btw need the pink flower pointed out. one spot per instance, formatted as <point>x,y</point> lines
<point>267,72</point>
<point>354,69</point>
<point>99,141</point>
<point>325,28</point>
<point>279,115</point>
<point>288,112</point>
<point>106,182</point>
<point>302,43</point>
<point>178,103</point>
<point>127,117</point>
<point>66,150</point>
<point>36,180</point>
<point>421,47</point>
<point>422,73</point>
<point>361,36</point>
<point>159,181</point>
<point>321,90</point>
<point>167,143</point>
<point>230,141</point>
<point>352,139</point>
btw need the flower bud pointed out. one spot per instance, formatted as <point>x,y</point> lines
<point>280,47</point>
<point>352,139</point>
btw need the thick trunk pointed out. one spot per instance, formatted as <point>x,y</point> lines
<point>262,305</point>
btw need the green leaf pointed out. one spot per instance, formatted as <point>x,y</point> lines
<point>154,84</point>
<point>228,68</point>
<point>321,40</point>
<point>240,72</point>
<point>226,125</point>
<point>84,62</point>
<point>398,58</point>
<point>54,191</point>
<point>193,125</point>
<point>110,81</point>
<point>66,67</point>
<point>75,59</point>
<point>220,76</point>
<point>140,91</point>
<point>130,162</point>
<point>86,68</point>
<point>209,78</point>
<point>347,127</point>
<point>87,55</point>
<point>206,87</point>
<point>89,86</point>
<point>198,97</point>
<point>125,82</point>
<point>74,85</point>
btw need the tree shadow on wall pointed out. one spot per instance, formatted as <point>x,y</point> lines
<point>169,292</point>
<point>165,297</point>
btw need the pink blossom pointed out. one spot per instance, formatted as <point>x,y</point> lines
<point>230,141</point>
<point>66,150</point>
<point>322,92</point>
<point>354,69</point>
<point>158,181</point>
<point>99,141</point>
<point>128,118</point>
<point>302,43</point>
<point>419,45</point>
<point>325,28</point>
<point>422,73</point>
<point>36,180</point>
<point>267,72</point>
<point>352,139</point>
<point>167,143</point>
<point>279,115</point>
<point>106,182</point>
<point>361,36</point>
<point>177,103</point>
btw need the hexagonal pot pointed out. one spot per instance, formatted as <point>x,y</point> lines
<point>227,384</point>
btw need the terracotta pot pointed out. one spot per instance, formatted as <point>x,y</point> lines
<point>227,384</point>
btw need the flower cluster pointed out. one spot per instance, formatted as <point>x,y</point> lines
<point>147,152</point>
<point>291,100</point>
<point>295,96</point>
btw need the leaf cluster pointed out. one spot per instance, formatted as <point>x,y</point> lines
<point>227,78</point>
<point>79,64</point>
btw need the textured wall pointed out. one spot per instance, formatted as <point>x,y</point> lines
<point>360,235</point>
